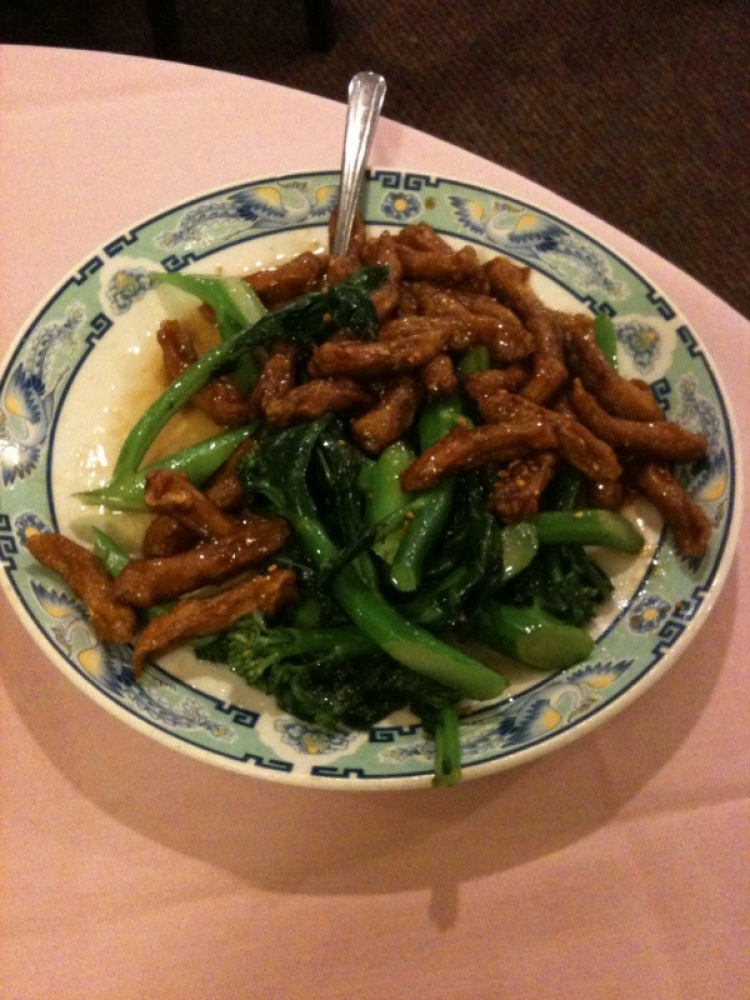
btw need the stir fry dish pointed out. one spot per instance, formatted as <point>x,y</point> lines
<point>414,458</point>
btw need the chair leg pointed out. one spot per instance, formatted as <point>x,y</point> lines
<point>321,31</point>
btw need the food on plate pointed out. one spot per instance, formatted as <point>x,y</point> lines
<point>412,451</point>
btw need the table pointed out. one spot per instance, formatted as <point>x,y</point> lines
<point>615,867</point>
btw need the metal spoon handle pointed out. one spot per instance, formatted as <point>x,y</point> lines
<point>366,95</point>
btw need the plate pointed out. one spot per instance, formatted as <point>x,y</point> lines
<point>84,365</point>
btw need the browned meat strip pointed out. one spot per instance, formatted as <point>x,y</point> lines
<point>690,525</point>
<point>144,582</point>
<point>479,319</point>
<point>662,440</point>
<point>276,379</point>
<point>172,493</point>
<point>550,373</point>
<point>464,330</point>
<point>407,304</point>
<point>278,285</point>
<point>500,329</point>
<point>166,536</point>
<point>86,576</point>
<point>221,399</point>
<point>318,396</point>
<point>496,404</point>
<point>608,494</point>
<point>340,268</point>
<point>483,384</point>
<point>199,616</point>
<point>415,326</point>
<point>421,236</point>
<point>382,250</point>
<point>439,376</point>
<point>576,443</point>
<point>390,417</point>
<point>225,488</point>
<point>585,451</point>
<point>519,487</point>
<point>510,284</point>
<point>464,449</point>
<point>619,396</point>
<point>378,359</point>
<point>456,267</point>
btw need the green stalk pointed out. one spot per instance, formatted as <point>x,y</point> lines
<point>410,645</point>
<point>531,636</point>
<point>520,545</point>
<point>606,337</point>
<point>198,462</point>
<point>423,529</point>
<point>587,527</point>
<point>387,503</point>
<point>343,305</point>
<point>235,303</point>
<point>111,553</point>
<point>432,509</point>
<point>447,737</point>
<point>382,624</point>
<point>476,359</point>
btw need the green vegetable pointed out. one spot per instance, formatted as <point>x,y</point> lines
<point>447,734</point>
<point>531,636</point>
<point>429,512</point>
<point>277,468</point>
<point>476,359</point>
<point>198,462</point>
<point>306,321</point>
<point>606,337</point>
<point>387,504</point>
<point>474,559</point>
<point>111,553</point>
<point>588,527</point>
<point>520,545</point>
<point>334,677</point>
<point>255,647</point>
<point>235,303</point>
<point>331,676</point>
<point>310,318</point>
<point>563,580</point>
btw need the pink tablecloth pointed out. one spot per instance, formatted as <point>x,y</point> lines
<point>615,867</point>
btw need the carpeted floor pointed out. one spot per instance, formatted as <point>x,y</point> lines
<point>637,111</point>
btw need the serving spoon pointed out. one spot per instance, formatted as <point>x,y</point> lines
<point>366,95</point>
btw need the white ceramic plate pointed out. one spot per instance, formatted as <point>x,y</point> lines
<point>83,368</point>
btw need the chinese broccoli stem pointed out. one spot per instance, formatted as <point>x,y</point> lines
<point>277,468</point>
<point>387,504</point>
<point>235,304</point>
<point>111,553</point>
<point>310,317</point>
<point>520,544</point>
<point>198,462</point>
<point>476,359</point>
<point>410,645</point>
<point>447,736</point>
<point>531,636</point>
<point>606,337</point>
<point>587,527</point>
<point>432,508</point>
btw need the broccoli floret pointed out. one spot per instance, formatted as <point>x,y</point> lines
<point>332,677</point>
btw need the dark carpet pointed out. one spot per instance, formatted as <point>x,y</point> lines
<point>637,110</point>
